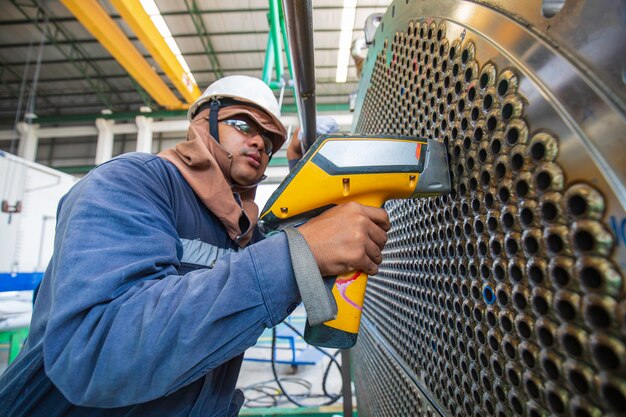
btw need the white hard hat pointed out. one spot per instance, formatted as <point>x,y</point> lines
<point>241,88</point>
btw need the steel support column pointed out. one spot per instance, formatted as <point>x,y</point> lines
<point>28,141</point>
<point>104,147</point>
<point>144,134</point>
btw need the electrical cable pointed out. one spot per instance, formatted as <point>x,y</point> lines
<point>333,360</point>
<point>325,378</point>
<point>268,395</point>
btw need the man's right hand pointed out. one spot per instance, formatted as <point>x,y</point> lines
<point>348,237</point>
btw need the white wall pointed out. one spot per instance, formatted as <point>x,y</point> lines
<point>26,240</point>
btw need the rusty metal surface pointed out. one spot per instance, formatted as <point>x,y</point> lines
<point>506,297</point>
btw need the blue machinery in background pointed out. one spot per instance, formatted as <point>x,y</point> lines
<point>14,338</point>
<point>21,281</point>
<point>300,353</point>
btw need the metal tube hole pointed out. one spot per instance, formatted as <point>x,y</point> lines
<point>503,87</point>
<point>598,316</point>
<point>527,216</point>
<point>549,211</point>
<point>544,179</point>
<point>524,330</point>
<point>605,356</point>
<point>545,336</point>
<point>538,151</point>
<point>577,205</point>
<point>572,345</point>
<point>551,369</point>
<point>584,241</point>
<point>522,188</point>
<point>520,301</point>
<point>614,396</point>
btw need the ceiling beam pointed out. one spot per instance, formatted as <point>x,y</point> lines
<point>60,94</point>
<point>262,10</point>
<point>136,17</point>
<point>18,79</point>
<point>182,12</point>
<point>7,117</point>
<point>175,35</point>
<point>202,33</point>
<point>102,89</point>
<point>72,52</point>
<point>128,106</point>
<point>97,21</point>
<point>197,72</point>
<point>289,108</point>
<point>202,53</point>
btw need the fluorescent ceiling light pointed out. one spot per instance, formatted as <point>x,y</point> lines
<point>150,7</point>
<point>160,24</point>
<point>345,39</point>
<point>153,11</point>
<point>173,45</point>
<point>183,63</point>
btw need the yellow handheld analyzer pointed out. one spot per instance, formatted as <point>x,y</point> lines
<point>365,169</point>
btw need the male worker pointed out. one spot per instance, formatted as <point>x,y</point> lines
<point>160,279</point>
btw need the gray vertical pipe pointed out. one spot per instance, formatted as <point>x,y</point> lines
<point>299,22</point>
<point>346,377</point>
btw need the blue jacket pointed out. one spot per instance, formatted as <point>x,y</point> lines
<point>147,305</point>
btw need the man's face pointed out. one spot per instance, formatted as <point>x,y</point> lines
<point>248,143</point>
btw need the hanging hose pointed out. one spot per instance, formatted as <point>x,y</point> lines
<point>18,175</point>
<point>32,99</point>
<point>282,95</point>
<point>12,148</point>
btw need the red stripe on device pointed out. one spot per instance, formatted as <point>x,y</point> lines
<point>418,151</point>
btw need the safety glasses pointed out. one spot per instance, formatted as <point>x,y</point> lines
<point>250,130</point>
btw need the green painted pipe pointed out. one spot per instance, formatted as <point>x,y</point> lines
<point>275,35</point>
<point>268,65</point>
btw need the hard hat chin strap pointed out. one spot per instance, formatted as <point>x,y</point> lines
<point>215,108</point>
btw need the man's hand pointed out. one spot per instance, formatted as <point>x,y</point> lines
<point>348,237</point>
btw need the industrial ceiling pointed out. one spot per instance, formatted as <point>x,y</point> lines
<point>53,68</point>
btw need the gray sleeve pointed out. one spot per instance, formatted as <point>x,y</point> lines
<point>316,294</point>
